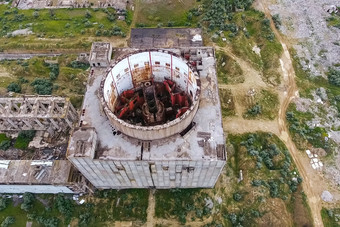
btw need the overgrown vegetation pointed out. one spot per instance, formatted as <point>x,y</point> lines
<point>181,204</point>
<point>5,143</point>
<point>334,77</point>
<point>301,132</point>
<point>331,217</point>
<point>227,102</point>
<point>228,70</point>
<point>334,20</point>
<point>247,31</point>
<point>269,177</point>
<point>23,139</point>
<point>60,210</point>
<point>170,13</point>
<point>266,106</point>
<point>63,77</point>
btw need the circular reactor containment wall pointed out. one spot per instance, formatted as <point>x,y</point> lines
<point>151,94</point>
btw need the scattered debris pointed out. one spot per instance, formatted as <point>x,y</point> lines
<point>327,196</point>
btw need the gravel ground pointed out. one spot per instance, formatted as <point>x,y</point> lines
<point>305,21</point>
<point>318,47</point>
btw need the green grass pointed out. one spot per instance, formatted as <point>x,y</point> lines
<point>257,198</point>
<point>66,29</point>
<point>258,34</point>
<point>100,210</point>
<point>227,102</point>
<point>181,204</point>
<point>55,26</point>
<point>16,212</point>
<point>269,102</point>
<point>334,21</point>
<point>228,70</point>
<point>3,137</point>
<point>70,81</point>
<point>162,12</point>
<point>328,217</point>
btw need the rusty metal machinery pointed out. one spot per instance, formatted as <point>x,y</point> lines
<point>151,94</point>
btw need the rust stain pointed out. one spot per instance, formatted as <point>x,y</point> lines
<point>141,74</point>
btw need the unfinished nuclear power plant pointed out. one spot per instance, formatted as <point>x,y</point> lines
<point>150,118</point>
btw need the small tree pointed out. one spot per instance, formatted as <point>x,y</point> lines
<point>3,203</point>
<point>88,14</point>
<point>14,87</point>
<point>35,14</point>
<point>4,145</point>
<point>8,221</point>
<point>334,77</point>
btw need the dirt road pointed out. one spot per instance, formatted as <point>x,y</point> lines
<point>310,186</point>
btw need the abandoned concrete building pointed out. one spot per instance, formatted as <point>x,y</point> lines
<point>100,55</point>
<point>150,119</point>
<point>120,5</point>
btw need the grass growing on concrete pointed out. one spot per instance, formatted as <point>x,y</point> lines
<point>23,139</point>
<point>171,13</point>
<point>228,70</point>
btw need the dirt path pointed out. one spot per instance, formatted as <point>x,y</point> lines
<point>310,186</point>
<point>151,210</point>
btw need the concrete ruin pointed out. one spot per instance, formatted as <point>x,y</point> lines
<point>186,151</point>
<point>120,5</point>
<point>50,173</point>
<point>100,55</point>
<point>151,118</point>
<point>166,37</point>
<point>36,113</point>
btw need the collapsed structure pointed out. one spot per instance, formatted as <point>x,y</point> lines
<point>152,119</point>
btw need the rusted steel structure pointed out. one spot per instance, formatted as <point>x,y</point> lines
<point>36,113</point>
<point>142,71</point>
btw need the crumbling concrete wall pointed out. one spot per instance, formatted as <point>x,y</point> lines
<point>36,113</point>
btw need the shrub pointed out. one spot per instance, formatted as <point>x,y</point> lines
<point>4,145</point>
<point>35,14</point>
<point>3,203</point>
<point>79,65</point>
<point>64,206</point>
<point>334,77</point>
<point>8,221</point>
<point>277,20</point>
<point>28,201</point>
<point>256,183</point>
<point>237,196</point>
<point>42,86</point>
<point>14,87</point>
<point>88,14</point>
<point>255,110</point>
<point>24,138</point>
